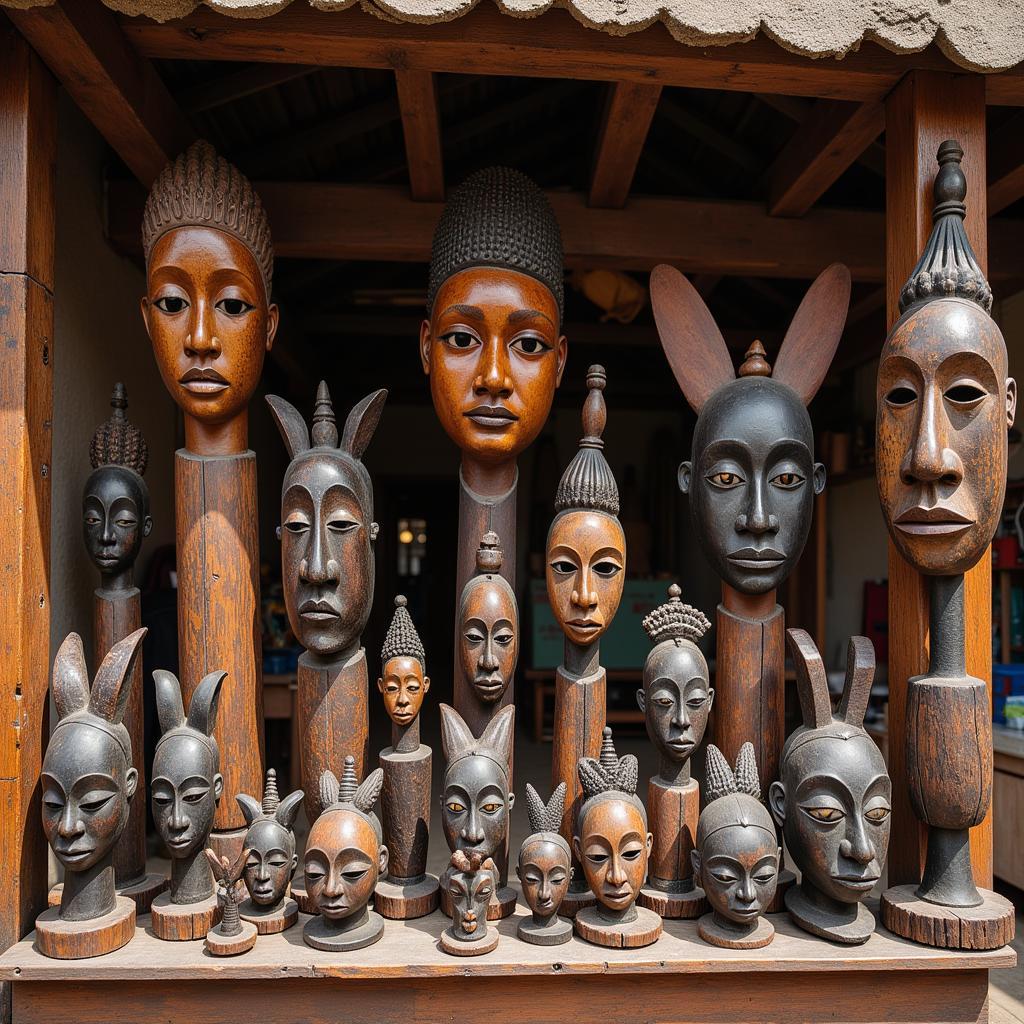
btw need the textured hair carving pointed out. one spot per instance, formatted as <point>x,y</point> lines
<point>117,442</point>
<point>722,781</point>
<point>545,817</point>
<point>350,794</point>
<point>498,218</point>
<point>675,620</point>
<point>401,639</point>
<point>609,773</point>
<point>733,798</point>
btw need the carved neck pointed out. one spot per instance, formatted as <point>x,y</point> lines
<point>610,916</point>
<point>88,894</point>
<point>674,773</point>
<point>487,480</point>
<point>405,739</point>
<point>581,661</point>
<point>191,878</point>
<point>347,924</point>
<point>840,911</point>
<point>333,663</point>
<point>230,438</point>
<point>117,583</point>
<point>946,626</point>
<point>545,922</point>
<point>750,606</point>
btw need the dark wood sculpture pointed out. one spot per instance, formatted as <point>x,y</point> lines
<point>737,856</point>
<point>88,781</point>
<point>945,403</point>
<point>476,798</point>
<point>613,844</point>
<point>493,349</point>
<point>270,857</point>
<point>187,786</point>
<point>231,935</point>
<point>407,891</point>
<point>327,564</point>
<point>345,857</point>
<point>585,569</point>
<point>545,870</point>
<point>469,881</point>
<point>207,309</point>
<point>833,799</point>
<point>676,700</point>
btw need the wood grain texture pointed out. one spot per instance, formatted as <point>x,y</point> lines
<point>627,117</point>
<point>421,127</point>
<point>218,944</point>
<point>672,813</point>
<point>175,922</point>
<point>644,930</point>
<point>988,926</point>
<point>1008,811</point>
<point>80,940</point>
<point>405,810</point>
<point>758,936</point>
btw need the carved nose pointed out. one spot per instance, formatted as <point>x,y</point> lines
<point>856,846</point>
<point>70,825</point>
<point>616,872</point>
<point>493,378</point>
<point>745,893</point>
<point>488,660</point>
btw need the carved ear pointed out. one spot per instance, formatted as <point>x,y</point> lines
<point>169,707</point>
<point>693,344</point>
<point>329,789</point>
<point>369,789</point>
<point>112,686</point>
<point>499,733</point>
<point>455,734</point>
<point>811,340</point>
<point>291,424</point>
<point>811,680</point>
<point>70,677</point>
<point>288,809</point>
<point>361,423</point>
<point>251,807</point>
<point>860,673</point>
<point>777,802</point>
<point>202,709</point>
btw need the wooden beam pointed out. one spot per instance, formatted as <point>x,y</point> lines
<point>238,84</point>
<point>117,90</point>
<point>421,126</point>
<point>1006,164</point>
<point>831,138</point>
<point>624,125</point>
<point>723,143</point>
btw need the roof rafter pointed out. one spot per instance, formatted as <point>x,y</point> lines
<point>624,125</point>
<point>421,127</point>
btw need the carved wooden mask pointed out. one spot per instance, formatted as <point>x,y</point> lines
<point>270,842</point>
<point>471,881</point>
<point>613,845</point>
<point>544,871</point>
<point>676,698</point>
<point>115,519</point>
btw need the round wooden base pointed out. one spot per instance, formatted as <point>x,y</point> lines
<point>642,931</point>
<point>270,920</point>
<point>713,932</point>
<point>219,944</point>
<point>458,947</point>
<point>322,934</point>
<point>175,922</point>
<point>399,902</point>
<point>502,905</point>
<point>573,902</point>
<point>852,930</point>
<point>141,893</point>
<point>76,940</point>
<point>786,882</point>
<point>989,926</point>
<point>673,904</point>
<point>298,891</point>
<point>554,933</point>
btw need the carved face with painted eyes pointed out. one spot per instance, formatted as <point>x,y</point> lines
<point>475,805</point>
<point>342,863</point>
<point>115,519</point>
<point>494,353</point>
<point>488,636</point>
<point>738,869</point>
<point>470,892</point>
<point>586,561</point>
<point>676,699</point>
<point>945,404</point>
<point>271,861</point>
<point>544,870</point>
<point>403,686</point>
<point>186,787</point>
<point>613,845</point>
<point>752,482</point>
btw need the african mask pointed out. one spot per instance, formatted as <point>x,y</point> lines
<point>751,477</point>
<point>403,682</point>
<point>545,869</point>
<point>270,842</point>
<point>492,343</point>
<point>944,400</point>
<point>834,799</point>
<point>488,625</point>
<point>207,309</point>
<point>87,777</point>
<point>470,880</point>
<point>327,527</point>
<point>115,501</point>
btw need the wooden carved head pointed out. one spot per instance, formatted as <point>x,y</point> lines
<point>471,880</point>
<point>545,860</point>
<point>403,664</point>
<point>270,842</point>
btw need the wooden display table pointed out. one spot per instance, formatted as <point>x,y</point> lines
<point>404,977</point>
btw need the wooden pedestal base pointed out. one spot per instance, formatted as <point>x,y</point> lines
<point>852,930</point>
<point>403,902</point>
<point>175,922</point>
<point>503,903</point>
<point>76,940</point>
<point>573,902</point>
<point>713,932</point>
<point>458,947</point>
<point>270,920</point>
<point>141,893</point>
<point>673,904</point>
<point>644,929</point>
<point>989,926</point>
<point>553,933</point>
<point>323,934</point>
<point>218,944</point>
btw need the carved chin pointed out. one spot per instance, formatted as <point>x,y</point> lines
<point>490,688</point>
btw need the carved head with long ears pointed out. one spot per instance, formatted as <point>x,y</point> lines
<point>270,841</point>
<point>327,528</point>
<point>545,859</point>
<point>752,475</point>
<point>834,797</point>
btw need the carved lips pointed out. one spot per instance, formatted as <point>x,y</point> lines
<point>203,381</point>
<point>492,417</point>
<point>757,559</point>
<point>934,521</point>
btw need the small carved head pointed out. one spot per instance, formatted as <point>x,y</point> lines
<point>545,860</point>
<point>403,681</point>
<point>270,841</point>
<point>471,880</point>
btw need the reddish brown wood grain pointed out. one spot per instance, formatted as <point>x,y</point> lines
<point>672,813</point>
<point>628,113</point>
<point>417,98</point>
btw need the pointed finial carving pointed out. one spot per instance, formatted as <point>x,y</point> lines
<point>271,798</point>
<point>325,427</point>
<point>754,362</point>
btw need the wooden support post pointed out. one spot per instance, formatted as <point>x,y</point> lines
<point>627,117</point>
<point>923,110</point>
<point>421,126</point>
<point>28,149</point>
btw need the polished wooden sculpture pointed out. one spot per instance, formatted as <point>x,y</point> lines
<point>207,309</point>
<point>585,568</point>
<point>737,856</point>
<point>476,798</point>
<point>676,700</point>
<point>187,786</point>
<point>345,856</point>
<point>470,881</point>
<point>613,845</point>
<point>944,405</point>
<point>493,348</point>
<point>231,935</point>
<point>327,565</point>
<point>544,870</point>
<point>833,798</point>
<point>407,891</point>
<point>271,858</point>
<point>88,781</point>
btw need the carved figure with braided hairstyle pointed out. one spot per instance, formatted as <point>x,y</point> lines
<point>544,870</point>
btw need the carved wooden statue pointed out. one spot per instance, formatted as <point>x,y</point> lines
<point>207,309</point>
<point>345,857</point>
<point>231,935</point>
<point>271,858</point>
<point>613,844</point>
<point>737,856</point>
<point>407,891</point>
<point>327,565</point>
<point>676,699</point>
<point>88,781</point>
<point>585,569</point>
<point>186,788</point>
<point>115,520</point>
<point>493,348</point>
<point>545,870</point>
<point>470,881</point>
<point>833,799</point>
<point>476,798</point>
<point>945,403</point>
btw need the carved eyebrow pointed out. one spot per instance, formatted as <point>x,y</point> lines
<point>788,447</point>
<point>518,315</point>
<point>824,781</point>
<point>473,312</point>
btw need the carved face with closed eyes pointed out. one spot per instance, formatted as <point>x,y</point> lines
<point>271,861</point>
<point>115,519</point>
<point>544,870</point>
<point>676,699</point>
<point>613,844</point>
<point>186,787</point>
<point>342,863</point>
<point>738,869</point>
<point>488,636</point>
